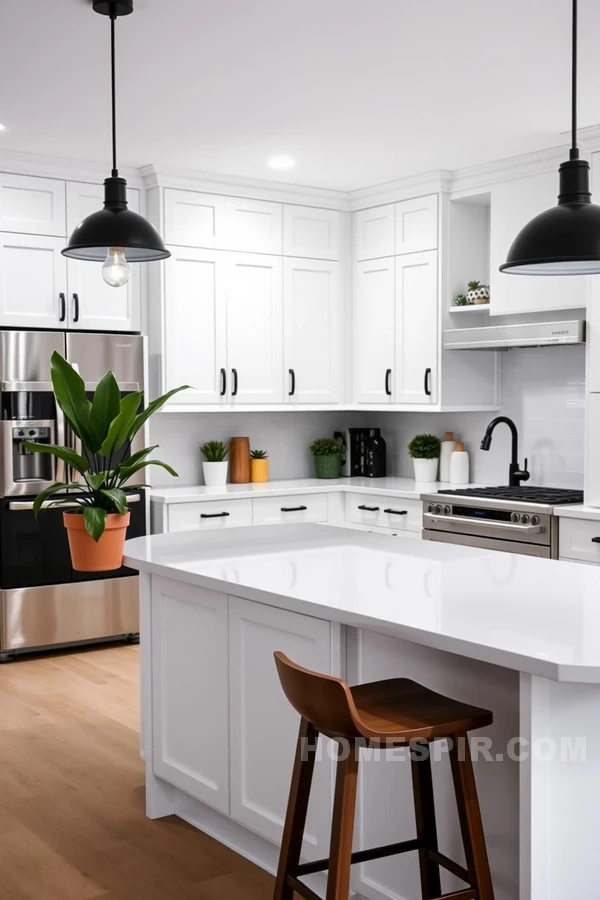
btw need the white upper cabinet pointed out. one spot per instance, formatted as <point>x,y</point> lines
<point>255,328</point>
<point>417,224</point>
<point>415,375</point>
<point>31,205</point>
<point>33,281</point>
<point>254,226</point>
<point>513,205</point>
<point>374,232</point>
<point>313,330</point>
<point>194,325</point>
<point>92,304</point>
<point>374,334</point>
<point>311,232</point>
<point>193,219</point>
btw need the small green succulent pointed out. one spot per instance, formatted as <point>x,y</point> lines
<point>214,451</point>
<point>326,447</point>
<point>424,446</point>
<point>259,454</point>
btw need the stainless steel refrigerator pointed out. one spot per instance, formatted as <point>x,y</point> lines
<point>43,601</point>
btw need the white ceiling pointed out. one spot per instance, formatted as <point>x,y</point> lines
<point>358,91</point>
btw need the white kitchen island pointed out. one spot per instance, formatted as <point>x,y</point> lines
<point>517,634</point>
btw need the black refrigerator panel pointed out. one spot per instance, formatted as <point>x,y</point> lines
<point>32,551</point>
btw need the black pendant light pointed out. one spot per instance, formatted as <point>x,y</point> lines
<point>564,240</point>
<point>115,234</point>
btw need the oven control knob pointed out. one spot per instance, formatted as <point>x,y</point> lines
<point>515,517</point>
<point>438,509</point>
<point>430,507</point>
<point>21,434</point>
<point>535,520</point>
<point>447,510</point>
<point>524,519</point>
<point>31,432</point>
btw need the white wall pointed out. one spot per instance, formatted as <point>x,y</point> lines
<point>542,390</point>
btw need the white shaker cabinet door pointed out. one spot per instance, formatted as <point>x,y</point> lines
<point>190,673</point>
<point>32,205</point>
<point>194,317</point>
<point>417,224</point>
<point>374,232</point>
<point>313,330</point>
<point>263,725</point>
<point>92,304</point>
<point>310,232</point>
<point>193,219</point>
<point>416,328</point>
<point>374,340</point>
<point>513,205</point>
<point>254,226</point>
<point>255,328</point>
<point>33,281</point>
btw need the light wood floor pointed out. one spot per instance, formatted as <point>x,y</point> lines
<point>72,822</point>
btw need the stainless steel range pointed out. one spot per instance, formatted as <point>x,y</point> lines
<point>513,519</point>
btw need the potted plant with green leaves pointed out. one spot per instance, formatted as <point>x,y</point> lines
<point>259,466</point>
<point>425,452</point>
<point>106,426</point>
<point>477,293</point>
<point>328,457</point>
<point>214,467</point>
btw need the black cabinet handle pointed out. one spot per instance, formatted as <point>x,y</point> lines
<point>293,508</point>
<point>396,512</point>
<point>292,390</point>
<point>388,375</point>
<point>223,382</point>
<point>63,307</point>
<point>76,307</point>
<point>426,386</point>
<point>369,508</point>
<point>596,540</point>
<point>214,515</point>
<point>235,382</point>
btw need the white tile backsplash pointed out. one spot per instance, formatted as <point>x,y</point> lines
<point>543,390</point>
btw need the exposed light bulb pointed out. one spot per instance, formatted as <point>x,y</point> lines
<point>116,269</point>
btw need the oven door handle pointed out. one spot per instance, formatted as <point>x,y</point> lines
<point>22,505</point>
<point>503,526</point>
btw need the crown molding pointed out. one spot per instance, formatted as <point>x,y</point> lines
<point>19,163</point>
<point>401,189</point>
<point>258,189</point>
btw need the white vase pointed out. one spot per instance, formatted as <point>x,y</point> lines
<point>215,473</point>
<point>426,470</point>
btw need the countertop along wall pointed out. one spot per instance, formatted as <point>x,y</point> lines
<point>543,390</point>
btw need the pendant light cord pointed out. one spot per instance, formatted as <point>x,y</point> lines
<point>113,16</point>
<point>574,153</point>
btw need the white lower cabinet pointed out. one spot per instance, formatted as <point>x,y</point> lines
<point>190,672</point>
<point>289,510</point>
<point>389,513</point>
<point>209,515</point>
<point>263,725</point>
<point>579,539</point>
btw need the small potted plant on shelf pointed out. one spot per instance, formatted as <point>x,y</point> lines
<point>259,466</point>
<point>425,452</point>
<point>477,293</point>
<point>105,426</point>
<point>460,300</point>
<point>215,462</point>
<point>328,457</point>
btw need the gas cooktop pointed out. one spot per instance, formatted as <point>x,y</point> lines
<point>522,494</point>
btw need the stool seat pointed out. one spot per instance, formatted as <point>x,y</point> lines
<point>401,708</point>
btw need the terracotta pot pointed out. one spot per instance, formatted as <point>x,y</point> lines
<point>88,555</point>
<point>259,470</point>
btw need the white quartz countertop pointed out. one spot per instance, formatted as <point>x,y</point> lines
<point>390,487</point>
<point>578,511</point>
<point>533,615</point>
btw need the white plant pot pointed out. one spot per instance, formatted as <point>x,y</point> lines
<point>215,473</point>
<point>426,470</point>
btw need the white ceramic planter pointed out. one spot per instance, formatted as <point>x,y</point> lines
<point>215,473</point>
<point>426,470</point>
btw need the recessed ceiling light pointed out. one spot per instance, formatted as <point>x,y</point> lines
<point>2,127</point>
<point>282,162</point>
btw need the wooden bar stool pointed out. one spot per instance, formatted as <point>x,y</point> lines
<point>388,713</point>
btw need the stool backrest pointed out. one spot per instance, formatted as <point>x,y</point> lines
<point>325,701</point>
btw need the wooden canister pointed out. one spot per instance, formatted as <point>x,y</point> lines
<point>239,460</point>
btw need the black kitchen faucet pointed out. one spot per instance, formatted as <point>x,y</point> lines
<point>515,474</point>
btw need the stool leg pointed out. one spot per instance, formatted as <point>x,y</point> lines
<point>469,816</point>
<point>295,817</point>
<point>342,827</point>
<point>426,824</point>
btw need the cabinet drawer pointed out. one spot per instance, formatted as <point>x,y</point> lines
<point>384,512</point>
<point>299,508</point>
<point>210,514</point>
<point>576,540</point>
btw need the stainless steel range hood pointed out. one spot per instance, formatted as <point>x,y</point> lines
<point>498,337</point>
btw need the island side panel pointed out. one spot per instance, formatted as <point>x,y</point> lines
<point>560,788</point>
<point>385,810</point>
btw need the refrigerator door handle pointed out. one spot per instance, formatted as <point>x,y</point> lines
<point>60,473</point>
